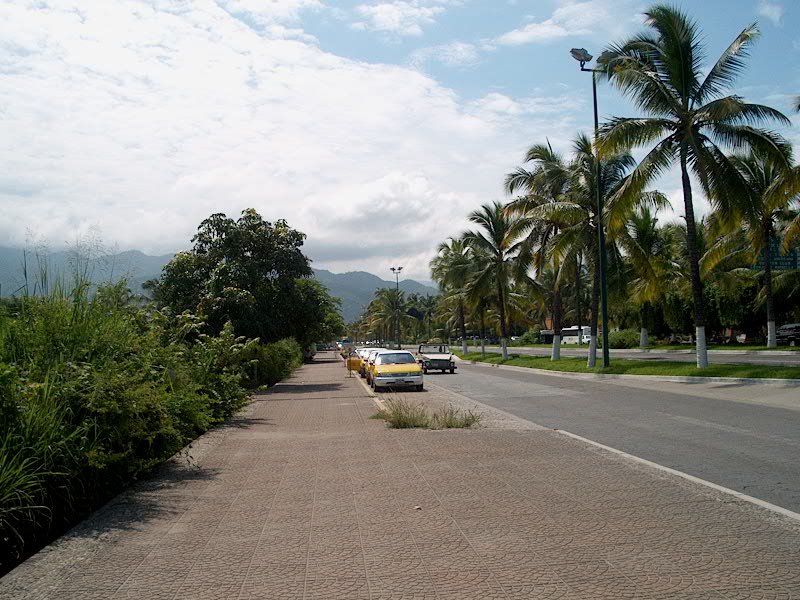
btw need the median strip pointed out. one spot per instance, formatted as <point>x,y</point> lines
<point>634,369</point>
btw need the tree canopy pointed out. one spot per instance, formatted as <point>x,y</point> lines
<point>254,274</point>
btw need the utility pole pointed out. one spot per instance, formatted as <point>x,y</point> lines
<point>582,56</point>
<point>396,271</point>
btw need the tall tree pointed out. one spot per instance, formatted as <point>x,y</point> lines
<point>561,193</point>
<point>451,270</point>
<point>250,272</point>
<point>647,247</point>
<point>757,211</point>
<point>688,117</point>
<point>495,240</point>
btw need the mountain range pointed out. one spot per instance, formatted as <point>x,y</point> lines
<point>355,289</point>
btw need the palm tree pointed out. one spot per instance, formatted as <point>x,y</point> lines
<point>757,212</point>
<point>427,306</point>
<point>388,308</point>
<point>689,118</point>
<point>563,194</point>
<point>647,247</point>
<point>451,270</point>
<point>494,241</point>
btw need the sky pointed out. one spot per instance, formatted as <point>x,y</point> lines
<point>374,126</point>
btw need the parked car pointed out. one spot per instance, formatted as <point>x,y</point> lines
<point>363,355</point>
<point>786,334</point>
<point>370,361</point>
<point>396,368</point>
<point>437,357</point>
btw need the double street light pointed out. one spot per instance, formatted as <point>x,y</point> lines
<point>396,271</point>
<point>583,57</point>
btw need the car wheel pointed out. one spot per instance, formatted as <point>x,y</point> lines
<point>419,388</point>
<point>452,371</point>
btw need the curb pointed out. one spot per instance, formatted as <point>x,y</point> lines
<point>668,351</point>
<point>738,495</point>
<point>667,378</point>
<point>378,402</point>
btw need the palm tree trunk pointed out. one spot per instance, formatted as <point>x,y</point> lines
<point>772,341</point>
<point>502,310</point>
<point>556,351</point>
<point>694,264</point>
<point>483,331</point>
<point>463,326</point>
<point>578,298</point>
<point>643,339</point>
<point>593,318</point>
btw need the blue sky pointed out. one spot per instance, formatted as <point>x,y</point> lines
<point>374,126</point>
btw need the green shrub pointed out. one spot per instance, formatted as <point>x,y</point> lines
<point>528,338</point>
<point>96,389</point>
<point>628,338</point>
<point>274,362</point>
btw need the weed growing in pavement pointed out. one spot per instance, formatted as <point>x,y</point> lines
<point>452,418</point>
<point>400,414</point>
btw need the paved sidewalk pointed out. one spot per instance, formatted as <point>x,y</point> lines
<point>304,496</point>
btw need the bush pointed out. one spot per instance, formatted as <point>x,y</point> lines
<point>96,390</point>
<point>528,338</point>
<point>628,338</point>
<point>274,362</point>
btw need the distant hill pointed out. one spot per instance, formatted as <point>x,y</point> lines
<point>133,265</point>
<point>355,289</point>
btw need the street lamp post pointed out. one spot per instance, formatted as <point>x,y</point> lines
<point>582,56</point>
<point>396,271</point>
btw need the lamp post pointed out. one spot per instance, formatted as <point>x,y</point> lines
<point>396,271</point>
<point>582,56</point>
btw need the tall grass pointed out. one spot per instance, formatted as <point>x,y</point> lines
<point>97,388</point>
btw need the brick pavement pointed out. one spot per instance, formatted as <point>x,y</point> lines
<point>305,497</point>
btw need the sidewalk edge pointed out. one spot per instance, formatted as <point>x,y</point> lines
<point>738,495</point>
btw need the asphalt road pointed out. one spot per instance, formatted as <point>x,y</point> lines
<point>782,358</point>
<point>746,438</point>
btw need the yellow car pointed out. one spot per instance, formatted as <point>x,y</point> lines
<point>395,368</point>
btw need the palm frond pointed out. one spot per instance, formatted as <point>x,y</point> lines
<point>729,65</point>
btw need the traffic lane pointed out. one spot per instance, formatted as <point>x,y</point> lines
<point>792,360</point>
<point>751,447</point>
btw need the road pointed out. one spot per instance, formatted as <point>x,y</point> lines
<point>746,438</point>
<point>782,358</point>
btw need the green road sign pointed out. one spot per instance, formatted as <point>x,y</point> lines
<point>779,262</point>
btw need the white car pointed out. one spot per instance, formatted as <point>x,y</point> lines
<point>436,357</point>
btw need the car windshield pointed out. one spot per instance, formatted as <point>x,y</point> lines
<point>397,358</point>
<point>435,349</point>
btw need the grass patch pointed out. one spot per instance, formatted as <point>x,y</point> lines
<point>452,418</point>
<point>656,347</point>
<point>619,366</point>
<point>723,347</point>
<point>401,414</point>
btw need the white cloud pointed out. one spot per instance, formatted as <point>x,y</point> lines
<point>572,18</point>
<point>400,17</point>
<point>454,54</point>
<point>771,10</point>
<point>270,11</point>
<point>142,119</point>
